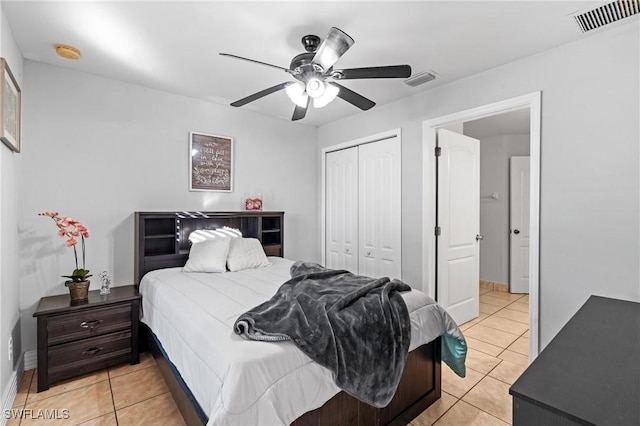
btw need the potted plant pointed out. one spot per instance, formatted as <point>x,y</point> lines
<point>72,230</point>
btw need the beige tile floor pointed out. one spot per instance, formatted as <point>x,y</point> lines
<point>498,342</point>
<point>137,395</point>
<point>122,395</point>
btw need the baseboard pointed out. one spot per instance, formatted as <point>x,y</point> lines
<point>493,285</point>
<point>12,390</point>
<point>30,360</point>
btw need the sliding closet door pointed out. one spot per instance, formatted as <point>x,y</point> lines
<point>341,230</point>
<point>379,191</point>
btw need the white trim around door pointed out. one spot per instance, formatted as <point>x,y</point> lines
<point>429,128</point>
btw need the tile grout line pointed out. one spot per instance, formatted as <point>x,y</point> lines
<point>24,404</point>
<point>497,357</point>
<point>494,356</point>
<point>113,401</point>
<point>470,389</point>
<point>142,400</point>
<point>61,393</point>
<point>39,401</point>
<point>132,371</point>
<point>487,374</point>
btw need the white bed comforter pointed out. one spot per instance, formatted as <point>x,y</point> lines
<point>236,381</point>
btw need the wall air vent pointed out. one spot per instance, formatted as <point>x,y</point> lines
<point>420,78</point>
<point>607,14</point>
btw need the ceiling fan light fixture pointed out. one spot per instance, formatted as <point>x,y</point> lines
<point>330,93</point>
<point>296,93</point>
<point>315,88</point>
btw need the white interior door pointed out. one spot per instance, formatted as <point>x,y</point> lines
<point>459,221</point>
<point>519,224</point>
<point>341,229</point>
<point>380,230</point>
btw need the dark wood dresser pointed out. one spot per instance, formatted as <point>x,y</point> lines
<point>74,339</point>
<point>589,374</point>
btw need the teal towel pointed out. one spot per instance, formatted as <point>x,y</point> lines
<point>454,353</point>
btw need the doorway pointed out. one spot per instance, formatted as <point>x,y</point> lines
<point>430,127</point>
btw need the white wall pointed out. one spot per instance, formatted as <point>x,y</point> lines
<point>590,192</point>
<point>99,150</point>
<point>10,196</point>
<point>495,152</point>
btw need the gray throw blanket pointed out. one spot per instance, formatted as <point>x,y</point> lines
<point>357,327</point>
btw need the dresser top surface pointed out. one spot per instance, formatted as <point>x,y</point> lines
<point>62,303</point>
<point>590,372</point>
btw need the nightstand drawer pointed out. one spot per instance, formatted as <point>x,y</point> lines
<point>89,351</point>
<point>88,323</point>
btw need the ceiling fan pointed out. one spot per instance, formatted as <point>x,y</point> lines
<point>316,77</point>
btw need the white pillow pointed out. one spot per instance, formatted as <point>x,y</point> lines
<point>210,234</point>
<point>246,253</point>
<point>208,256</point>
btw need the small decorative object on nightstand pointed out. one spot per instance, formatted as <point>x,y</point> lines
<point>76,339</point>
<point>106,283</point>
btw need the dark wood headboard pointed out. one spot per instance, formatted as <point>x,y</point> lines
<point>162,238</point>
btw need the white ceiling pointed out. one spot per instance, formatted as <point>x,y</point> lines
<point>173,46</point>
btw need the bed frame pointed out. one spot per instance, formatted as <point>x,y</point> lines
<point>161,241</point>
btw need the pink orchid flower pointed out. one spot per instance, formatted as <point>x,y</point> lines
<point>71,229</point>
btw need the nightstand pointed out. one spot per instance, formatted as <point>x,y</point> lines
<point>74,339</point>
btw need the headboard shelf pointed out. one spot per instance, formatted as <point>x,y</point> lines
<point>162,238</point>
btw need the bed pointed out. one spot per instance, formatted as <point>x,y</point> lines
<point>248,382</point>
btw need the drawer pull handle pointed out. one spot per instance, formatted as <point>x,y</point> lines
<point>92,351</point>
<point>90,324</point>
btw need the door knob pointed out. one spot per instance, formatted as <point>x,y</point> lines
<point>516,231</point>
<point>479,237</point>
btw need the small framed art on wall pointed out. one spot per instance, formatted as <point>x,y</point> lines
<point>210,162</point>
<point>10,97</point>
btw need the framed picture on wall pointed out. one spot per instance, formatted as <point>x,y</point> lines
<point>210,162</point>
<point>9,108</point>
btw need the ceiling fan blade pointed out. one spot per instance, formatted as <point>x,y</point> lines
<point>260,94</point>
<point>300,112</point>
<point>391,71</point>
<point>332,48</point>
<point>257,62</point>
<point>354,98</point>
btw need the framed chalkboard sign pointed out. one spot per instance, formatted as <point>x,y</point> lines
<point>210,162</point>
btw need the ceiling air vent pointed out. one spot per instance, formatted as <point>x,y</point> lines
<point>420,78</point>
<point>607,14</point>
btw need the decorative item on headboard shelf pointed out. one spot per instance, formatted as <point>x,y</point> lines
<point>253,202</point>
